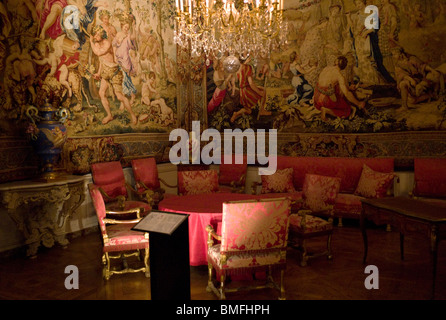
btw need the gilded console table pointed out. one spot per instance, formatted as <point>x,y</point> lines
<point>42,209</point>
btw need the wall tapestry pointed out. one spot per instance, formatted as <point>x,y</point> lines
<point>110,63</point>
<point>335,75</point>
<point>122,103</point>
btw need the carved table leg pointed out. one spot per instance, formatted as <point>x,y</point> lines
<point>364,234</point>
<point>434,247</point>
<point>402,245</point>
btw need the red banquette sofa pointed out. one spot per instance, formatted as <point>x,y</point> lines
<point>349,170</point>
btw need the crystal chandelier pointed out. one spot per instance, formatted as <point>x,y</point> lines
<point>219,29</point>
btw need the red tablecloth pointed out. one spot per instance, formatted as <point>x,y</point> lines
<point>204,209</point>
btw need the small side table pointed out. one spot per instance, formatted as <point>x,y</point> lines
<point>41,209</point>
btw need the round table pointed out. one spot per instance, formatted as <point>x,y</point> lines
<point>203,210</point>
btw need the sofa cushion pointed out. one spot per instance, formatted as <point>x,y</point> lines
<point>197,182</point>
<point>280,181</point>
<point>348,169</point>
<point>430,177</point>
<point>373,184</point>
<point>319,192</point>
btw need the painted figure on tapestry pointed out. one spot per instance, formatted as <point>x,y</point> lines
<point>416,80</point>
<point>109,73</point>
<point>250,93</point>
<point>224,83</point>
<point>389,77</point>
<point>303,90</point>
<point>123,43</point>
<point>332,95</point>
<point>54,55</point>
<point>367,63</point>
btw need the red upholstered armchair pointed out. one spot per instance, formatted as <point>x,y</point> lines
<point>109,178</point>
<point>147,182</point>
<point>319,194</point>
<point>254,237</point>
<point>119,241</point>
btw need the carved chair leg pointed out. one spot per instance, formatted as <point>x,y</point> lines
<point>329,253</point>
<point>210,284</point>
<point>282,287</point>
<point>146,262</point>
<point>304,254</point>
<point>340,224</point>
<point>222,285</point>
<point>106,262</point>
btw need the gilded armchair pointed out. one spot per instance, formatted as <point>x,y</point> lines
<point>118,239</point>
<point>254,238</point>
<point>110,180</point>
<point>319,194</point>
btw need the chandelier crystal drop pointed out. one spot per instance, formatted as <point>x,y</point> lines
<point>223,29</point>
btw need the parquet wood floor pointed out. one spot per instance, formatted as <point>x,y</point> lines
<point>42,278</point>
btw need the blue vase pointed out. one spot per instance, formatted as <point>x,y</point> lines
<point>47,134</point>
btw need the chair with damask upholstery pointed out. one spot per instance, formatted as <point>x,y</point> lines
<point>109,178</point>
<point>319,194</point>
<point>253,238</point>
<point>118,239</point>
<point>147,182</point>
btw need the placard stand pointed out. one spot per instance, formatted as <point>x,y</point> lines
<point>169,254</point>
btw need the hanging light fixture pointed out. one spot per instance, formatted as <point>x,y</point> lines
<point>218,29</point>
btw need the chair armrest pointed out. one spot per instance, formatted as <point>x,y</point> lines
<point>304,212</point>
<point>114,221</point>
<point>237,187</point>
<point>212,235</point>
<point>104,194</point>
<point>254,186</point>
<point>137,211</point>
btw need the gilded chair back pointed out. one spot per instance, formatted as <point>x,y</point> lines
<point>109,176</point>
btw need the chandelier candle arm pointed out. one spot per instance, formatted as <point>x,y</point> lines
<point>219,28</point>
